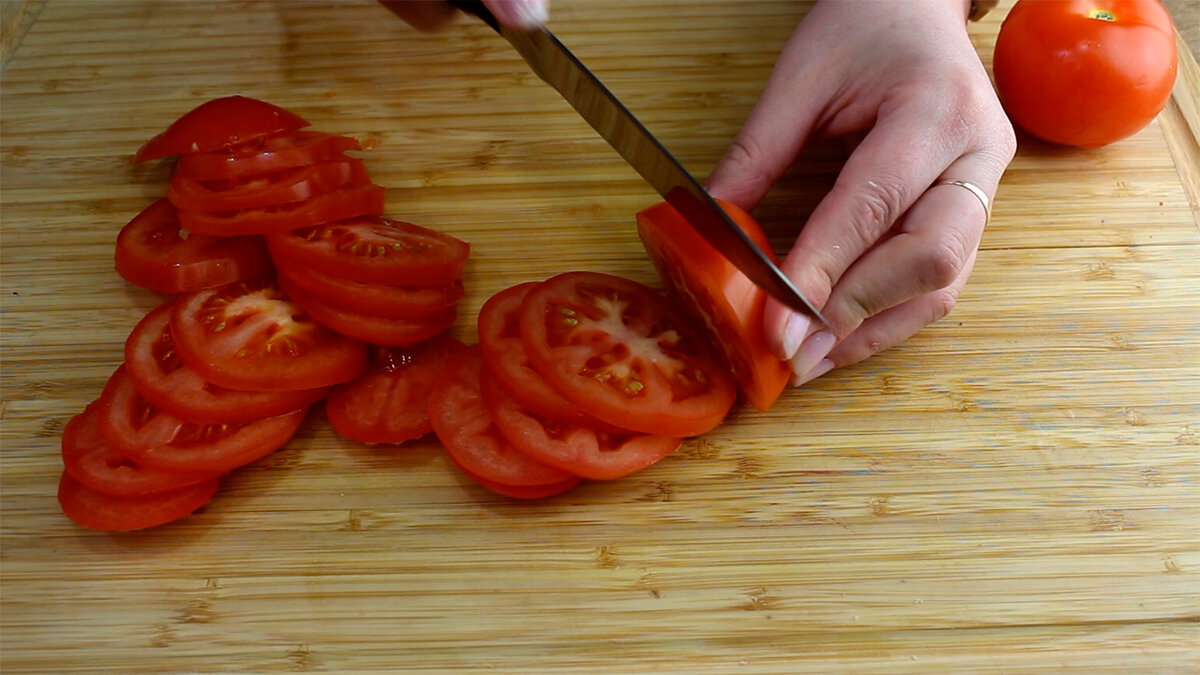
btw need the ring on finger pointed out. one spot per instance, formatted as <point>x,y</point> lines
<point>975,190</point>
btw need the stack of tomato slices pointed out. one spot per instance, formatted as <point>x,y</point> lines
<point>583,375</point>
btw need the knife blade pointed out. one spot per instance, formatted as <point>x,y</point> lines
<point>558,67</point>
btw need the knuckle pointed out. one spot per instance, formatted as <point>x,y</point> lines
<point>943,303</point>
<point>875,208</point>
<point>942,263</point>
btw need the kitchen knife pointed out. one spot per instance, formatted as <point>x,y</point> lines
<point>555,64</point>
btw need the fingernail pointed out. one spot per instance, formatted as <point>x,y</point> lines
<point>815,348</point>
<point>821,368</point>
<point>525,14</point>
<point>794,332</point>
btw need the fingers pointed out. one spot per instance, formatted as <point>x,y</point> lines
<point>432,15</point>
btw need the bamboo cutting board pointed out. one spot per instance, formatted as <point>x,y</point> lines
<point>1013,490</point>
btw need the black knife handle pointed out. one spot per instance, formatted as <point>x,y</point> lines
<point>478,9</point>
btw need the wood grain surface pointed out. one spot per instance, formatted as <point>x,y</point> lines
<point>1013,490</point>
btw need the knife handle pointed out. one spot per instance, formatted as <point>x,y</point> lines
<point>478,9</point>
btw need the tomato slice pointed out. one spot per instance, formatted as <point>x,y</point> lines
<point>524,491</point>
<point>390,402</point>
<point>252,338</point>
<point>92,461</point>
<point>391,302</point>
<point>217,124</point>
<point>165,382</point>
<point>718,295</point>
<point>153,253</point>
<point>152,438</point>
<point>581,451</point>
<point>99,511</point>
<point>375,250</point>
<point>373,329</point>
<point>462,424</point>
<point>621,351</point>
<point>346,202</point>
<point>273,189</point>
<point>504,353</point>
<point>265,155</point>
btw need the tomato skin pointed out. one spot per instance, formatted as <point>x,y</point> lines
<point>163,380</point>
<point>219,123</point>
<point>499,328</point>
<point>376,250</point>
<point>524,491</point>
<point>152,253</point>
<point>389,403</point>
<point>619,350</point>
<point>93,462</point>
<point>372,329</point>
<point>1068,77</point>
<point>347,202</point>
<point>718,295</point>
<point>98,511</point>
<point>260,156</point>
<point>152,438</point>
<point>461,421</point>
<point>250,337</point>
<point>255,192</point>
<point>382,300</point>
<point>579,450</point>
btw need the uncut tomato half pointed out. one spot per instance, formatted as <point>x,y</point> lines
<point>220,123</point>
<point>718,295</point>
<point>374,249</point>
<point>622,352</point>
<point>390,402</point>
<point>1085,72</point>
<point>162,379</point>
<point>265,155</point>
<point>152,252</point>
<point>251,337</point>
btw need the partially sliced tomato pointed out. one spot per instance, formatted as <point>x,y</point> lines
<point>391,302</point>
<point>272,189</point>
<point>98,511</point>
<point>376,250</point>
<point>373,329</point>
<point>347,202</point>
<point>718,295</point>
<point>390,402</point>
<point>462,424</point>
<point>220,123</point>
<point>504,353</point>
<point>252,338</point>
<point>621,351</point>
<point>152,252</point>
<point>153,438</point>
<point>265,155</point>
<point>582,451</point>
<point>92,461</point>
<point>165,382</point>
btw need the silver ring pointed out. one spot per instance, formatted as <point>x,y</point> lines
<point>975,190</point>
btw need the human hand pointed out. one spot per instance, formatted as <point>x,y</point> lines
<point>431,15</point>
<point>888,249</point>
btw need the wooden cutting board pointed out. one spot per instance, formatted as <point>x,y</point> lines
<point>1014,489</point>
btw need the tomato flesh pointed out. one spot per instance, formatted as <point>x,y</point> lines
<point>621,351</point>
<point>253,338</point>
<point>346,202</point>
<point>374,249</point>
<point>390,402</point>
<point>152,253</point>
<point>164,381</point>
<point>92,461</point>
<point>382,300</point>
<point>718,295</point>
<point>220,123</point>
<point>1085,73</point>
<point>99,511</point>
<point>255,192</point>
<point>265,155</point>
<point>461,421</point>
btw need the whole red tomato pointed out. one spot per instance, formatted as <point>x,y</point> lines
<point>1085,72</point>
